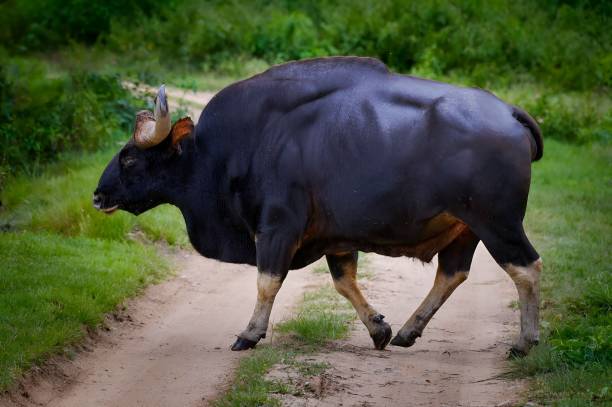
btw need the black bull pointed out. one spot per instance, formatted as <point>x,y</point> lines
<point>330,156</point>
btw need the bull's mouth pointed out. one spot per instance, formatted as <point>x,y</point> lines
<point>109,210</point>
<point>98,205</point>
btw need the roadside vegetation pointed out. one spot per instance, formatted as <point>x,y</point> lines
<point>570,221</point>
<point>64,112</point>
<point>64,265</point>
<point>45,112</point>
<point>53,287</point>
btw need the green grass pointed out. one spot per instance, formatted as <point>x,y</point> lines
<point>59,202</point>
<point>323,316</point>
<point>569,220</point>
<point>64,265</point>
<point>53,286</point>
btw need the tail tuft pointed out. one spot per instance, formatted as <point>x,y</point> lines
<point>526,120</point>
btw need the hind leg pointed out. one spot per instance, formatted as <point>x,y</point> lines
<point>344,271</point>
<point>527,281</point>
<point>453,267</point>
<point>512,250</point>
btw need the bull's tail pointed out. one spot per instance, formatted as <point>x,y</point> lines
<point>526,120</point>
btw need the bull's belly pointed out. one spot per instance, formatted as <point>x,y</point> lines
<point>423,244</point>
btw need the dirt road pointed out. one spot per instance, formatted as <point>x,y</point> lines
<point>457,361</point>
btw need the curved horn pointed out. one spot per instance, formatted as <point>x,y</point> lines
<point>152,128</point>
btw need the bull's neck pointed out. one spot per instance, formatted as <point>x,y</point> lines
<point>185,190</point>
<point>191,192</point>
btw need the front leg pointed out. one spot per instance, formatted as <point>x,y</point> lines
<point>267,287</point>
<point>274,254</point>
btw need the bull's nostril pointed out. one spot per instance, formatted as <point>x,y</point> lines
<point>97,200</point>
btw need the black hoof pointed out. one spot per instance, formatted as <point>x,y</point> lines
<point>517,351</point>
<point>382,336</point>
<point>405,341</point>
<point>514,352</point>
<point>243,344</point>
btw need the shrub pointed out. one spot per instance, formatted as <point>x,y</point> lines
<point>573,120</point>
<point>42,116</point>
<point>38,25</point>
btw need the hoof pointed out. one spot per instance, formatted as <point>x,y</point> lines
<point>518,351</point>
<point>515,352</point>
<point>243,344</point>
<point>405,340</point>
<point>382,336</point>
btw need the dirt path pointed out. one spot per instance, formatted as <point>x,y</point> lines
<point>173,348</point>
<point>455,363</point>
<point>192,101</point>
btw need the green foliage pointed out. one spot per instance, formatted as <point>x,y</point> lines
<point>570,223</point>
<point>28,25</point>
<point>488,41</point>
<point>574,117</point>
<point>52,286</point>
<point>576,120</point>
<point>287,36</point>
<point>250,387</point>
<point>42,115</point>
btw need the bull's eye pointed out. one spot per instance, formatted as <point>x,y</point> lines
<point>128,162</point>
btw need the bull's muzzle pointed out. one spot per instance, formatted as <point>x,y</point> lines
<point>99,204</point>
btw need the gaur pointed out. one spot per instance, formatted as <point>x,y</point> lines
<point>331,156</point>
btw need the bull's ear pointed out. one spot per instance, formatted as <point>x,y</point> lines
<point>181,129</point>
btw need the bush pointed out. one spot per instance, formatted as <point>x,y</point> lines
<point>574,120</point>
<point>488,41</point>
<point>28,25</point>
<point>42,116</point>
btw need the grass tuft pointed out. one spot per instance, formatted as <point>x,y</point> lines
<point>323,316</point>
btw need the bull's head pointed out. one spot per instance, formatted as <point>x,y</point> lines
<point>136,178</point>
